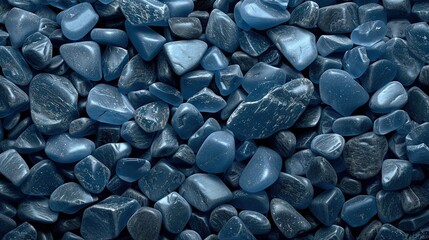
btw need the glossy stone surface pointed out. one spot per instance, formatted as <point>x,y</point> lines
<point>37,50</point>
<point>137,74</point>
<point>182,60</point>
<point>65,149</point>
<point>235,229</point>
<point>262,73</point>
<point>175,211</point>
<point>194,81</point>
<point>197,139</point>
<point>37,210</point>
<point>106,104</point>
<point>321,173</point>
<point>147,42</point>
<point>331,232</point>
<point>216,153</point>
<point>113,61</point>
<point>207,101</point>
<point>220,216</point>
<point>287,219</point>
<point>338,18</point>
<point>378,75</point>
<point>205,191</point>
<point>20,24</point>
<point>8,224</point>
<point>257,223</point>
<point>222,31</point>
<point>418,102</point>
<point>69,198</point>
<point>327,44</point>
<point>391,97</point>
<point>185,27</point>
<point>356,61</point>
<point>13,167</point>
<point>358,210</point>
<point>333,86</point>
<point>53,102</point>
<point>296,44</point>
<point>263,15</point>
<point>132,169</point>
<point>43,179</point>
<point>110,153</point>
<point>13,98</point>
<point>107,218</point>
<point>417,145</point>
<point>352,125</point>
<point>320,65</point>
<point>165,143</point>
<point>368,33</point>
<point>110,36</point>
<point>229,79</point>
<point>390,122</point>
<point>262,170</point>
<point>78,20</point>
<point>327,206</point>
<point>417,39</point>
<point>145,12</point>
<point>253,43</point>
<point>305,15</point>
<point>186,120</point>
<point>388,231</point>
<point>350,186</point>
<point>85,53</point>
<point>329,146</point>
<point>214,59</point>
<point>153,116</point>
<point>414,222</point>
<point>389,206</point>
<point>92,174</point>
<point>23,231</point>
<point>184,156</point>
<point>145,223</point>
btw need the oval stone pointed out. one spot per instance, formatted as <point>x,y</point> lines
<point>65,149</point>
<point>391,97</point>
<point>216,153</point>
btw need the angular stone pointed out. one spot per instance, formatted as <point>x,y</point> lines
<point>417,144</point>
<point>69,198</point>
<point>37,50</point>
<point>113,61</point>
<point>378,75</point>
<point>65,149</point>
<point>165,143</point>
<point>350,186</point>
<point>414,222</point>
<point>235,229</point>
<point>327,44</point>
<point>13,167</point>
<point>322,174</point>
<point>23,231</point>
<point>389,206</point>
<point>263,15</point>
<point>417,105</point>
<point>222,31</point>
<point>338,18</point>
<point>175,211</point>
<point>20,24</point>
<point>207,101</point>
<point>289,221</point>
<point>390,122</point>
<point>305,15</point>
<point>329,146</point>
<point>352,125</point>
<point>186,120</point>
<point>368,33</point>
<point>153,116</point>
<point>216,153</point>
<point>391,97</point>
<point>132,169</point>
<point>188,234</point>
<point>185,27</point>
<point>14,66</point>
<point>417,36</point>
<point>117,186</point>
<point>359,210</point>
<point>220,216</point>
<point>262,73</point>
<point>181,59</point>
<point>92,174</point>
<point>145,40</point>
<point>37,210</point>
<point>78,20</point>
<point>134,135</point>
<point>369,231</point>
<point>388,231</point>
<point>356,61</point>
<point>145,224</point>
<point>110,37</point>
<point>80,54</point>
<point>331,232</point>
<point>414,199</point>
<point>8,224</point>
<point>327,206</point>
<point>145,12</point>
<point>320,65</point>
<point>197,139</point>
<point>141,97</point>
<point>372,12</point>
<point>137,74</point>
<point>258,202</point>
<point>260,107</point>
<point>253,43</point>
<point>29,141</point>
<point>214,59</point>
<point>194,81</point>
<point>13,99</point>
<point>166,93</point>
<point>229,79</point>
<point>43,179</point>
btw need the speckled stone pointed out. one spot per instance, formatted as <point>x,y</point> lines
<point>289,221</point>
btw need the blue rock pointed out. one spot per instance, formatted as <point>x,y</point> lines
<point>378,75</point>
<point>92,174</point>
<point>214,60</point>
<point>417,145</point>
<point>257,202</point>
<point>220,216</point>
<point>152,117</point>
<point>162,179</point>
<point>375,51</point>
<point>70,236</point>
<point>352,125</point>
<point>222,31</point>
<point>298,163</point>
<point>132,169</point>
<point>320,65</point>
<point>229,79</point>
<point>327,44</point>
<point>186,120</point>
<point>69,198</point>
<point>390,122</point>
<point>8,224</point>
<point>78,20</point>
<point>420,10</point>
<point>194,81</point>
<point>10,192</point>
<point>65,149</point>
<point>356,61</point>
<point>43,179</point>
<point>37,210</point>
<point>3,37</point>
<point>13,167</point>
<point>241,120</point>
<point>80,54</point>
<point>145,223</point>
<point>414,222</point>
<point>253,43</point>
<point>145,40</point>
<point>175,211</point>
<point>338,18</point>
<point>117,186</point>
<point>388,231</point>
<point>235,229</point>
<point>200,222</point>
<point>239,19</point>
<point>185,27</point>
<point>389,206</point>
<point>7,209</point>
<point>82,86</point>
<point>305,15</point>
<point>197,139</point>
<point>418,102</point>
<point>37,50</point>
<point>372,12</point>
<point>329,146</point>
<point>299,53</point>
<point>368,33</point>
<point>188,235</point>
<point>397,28</point>
<point>137,195</point>
<point>13,98</point>
<point>329,115</point>
<point>14,66</point>
<point>263,15</point>
<point>245,150</point>
<point>207,101</point>
<point>184,156</point>
<point>334,83</point>
<point>289,221</point>
<point>327,206</point>
<point>110,37</point>
<point>141,97</point>
<point>246,61</point>
<point>29,141</point>
<point>113,61</point>
<point>389,98</point>
<point>165,143</point>
<point>145,12</point>
<point>166,93</point>
<point>23,231</point>
<point>216,153</point>
<point>205,191</point>
<point>261,73</point>
<point>136,75</point>
<point>321,173</point>
<point>99,105</point>
<point>262,170</point>
<point>417,35</point>
<point>180,58</point>
<point>257,223</point>
<point>107,218</point>
<point>359,210</point>
<point>20,24</point>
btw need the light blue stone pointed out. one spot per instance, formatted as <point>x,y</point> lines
<point>389,98</point>
<point>77,21</point>
<point>92,174</point>
<point>100,108</point>
<point>235,229</point>
<point>145,12</point>
<point>262,170</point>
<point>207,101</point>
<point>217,152</point>
<point>175,211</point>
<point>368,33</point>
<point>327,44</point>
<point>65,149</point>
<point>20,24</point>
<point>375,51</point>
<point>110,37</point>
<point>229,79</point>
<point>69,198</point>
<point>113,61</point>
<point>132,169</point>
<point>263,15</point>
<point>390,122</point>
<point>179,8</point>
<point>261,73</point>
<point>355,61</point>
<point>239,19</point>
<point>352,125</point>
<point>329,146</point>
<point>296,44</point>
<point>86,54</point>
<point>186,120</point>
<point>180,58</point>
<point>214,59</point>
<point>145,40</point>
<point>359,210</point>
<point>13,167</point>
<point>222,31</point>
<point>196,140</point>
<point>194,81</point>
<point>166,93</point>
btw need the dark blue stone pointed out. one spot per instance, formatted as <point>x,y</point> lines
<point>185,27</point>
<point>145,40</point>
<point>70,236</point>
<point>369,231</point>
<point>184,156</point>
<point>3,37</point>
<point>7,224</point>
<point>262,73</point>
<point>78,20</point>
<point>253,43</point>
<point>245,150</point>
<point>145,12</point>
<point>229,79</point>
<point>356,61</point>
<point>135,135</point>
<point>166,93</point>
<point>331,232</point>
<point>320,65</point>
<point>289,221</point>
<point>23,231</point>
<point>207,101</point>
<point>197,139</point>
<point>165,143</point>
<point>417,144</point>
<point>368,33</point>
<point>141,97</point>
<point>329,146</point>
<point>113,61</point>
<point>81,85</point>
<point>10,121</point>
<point>299,162</point>
<point>378,75</point>
<point>175,211</point>
<point>186,120</point>
<point>375,51</point>
<point>182,60</point>
<point>263,15</point>
<point>327,206</point>
<point>389,206</point>
<point>110,153</point>
<point>239,19</point>
<point>7,209</point>
<point>388,231</point>
<point>132,169</point>
<point>37,50</point>
<point>9,192</point>
<point>194,81</point>
<point>414,199</point>
<point>235,229</point>
<point>29,141</point>
<point>65,149</point>
<point>117,186</point>
<point>303,140</point>
<point>37,210</point>
<point>420,10</point>
<point>107,218</point>
<point>57,66</point>
<point>20,24</point>
<point>417,35</point>
<point>214,59</point>
<point>321,173</point>
<point>85,53</point>
<point>199,222</point>
<point>246,61</point>
<point>222,31</point>
<point>217,152</point>
<point>13,167</point>
<point>391,97</point>
<point>43,179</point>
<point>305,15</point>
<point>350,186</point>
<point>327,44</point>
<point>358,210</point>
<point>153,116</point>
<point>414,222</point>
<point>220,216</point>
<point>110,36</point>
<point>390,122</point>
<point>234,99</point>
<point>92,174</point>
<point>338,18</point>
<point>69,198</point>
<point>14,66</point>
<point>107,133</point>
<point>145,223</point>
<point>136,195</point>
<point>418,102</point>
<point>352,125</point>
<point>372,12</point>
<point>256,222</point>
<point>137,74</point>
<point>188,235</point>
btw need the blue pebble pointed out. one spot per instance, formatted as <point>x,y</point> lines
<point>188,235</point>
<point>305,15</point>
<point>132,169</point>
<point>117,186</point>
<point>372,12</point>
<point>253,43</point>
<point>368,33</point>
<point>388,231</point>
<point>417,35</point>
<point>69,198</point>
<point>235,229</point>
<point>186,120</point>
<point>338,18</point>
<point>418,102</point>
<point>207,101</point>
<point>71,236</point>
<point>217,152</point>
<point>175,211</point>
<point>359,210</point>
<point>222,31</point>
<point>14,66</point>
<point>78,20</point>
<point>375,51</point>
<point>145,12</point>
<point>145,223</point>
<point>180,58</point>
<point>99,105</point>
<point>86,53</point>
<point>239,19</point>
<point>229,79</point>
<point>43,179</point>
<point>261,73</point>
<point>389,98</point>
<point>329,146</point>
<point>23,231</point>
<point>234,99</point>
<point>110,153</point>
<point>37,50</point>
<point>153,116</point>
<point>29,141</point>
<point>183,156</point>
<point>417,144</point>
<point>389,206</point>
<point>65,149</point>
<point>136,195</point>
<point>414,222</point>
<point>245,150</point>
<point>299,162</point>
<point>352,125</point>
<point>92,174</point>
<point>165,143</point>
<point>320,65</point>
<point>7,209</point>
<point>262,15</point>
<point>396,174</point>
<point>13,99</point>
<point>214,59</point>
<point>113,61</point>
<point>194,81</point>
<point>378,75</point>
<point>13,167</point>
<point>327,44</point>
<point>331,232</point>
<point>37,210</point>
<point>321,173</point>
<point>20,24</point>
<point>257,202</point>
<point>256,222</point>
<point>289,221</point>
<point>390,122</point>
<point>333,86</point>
<point>141,97</point>
<point>197,139</point>
<point>145,40</point>
<point>179,8</point>
<point>327,206</point>
<point>7,224</point>
<point>136,75</point>
<point>355,61</point>
<point>110,37</point>
<point>220,216</point>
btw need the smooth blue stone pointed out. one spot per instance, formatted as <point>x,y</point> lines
<point>23,231</point>
<point>184,156</point>
<point>420,10</point>
<point>418,102</point>
<point>217,152</point>
<point>222,5</point>
<point>106,219</point>
<point>162,179</point>
<point>110,36</point>
<point>253,43</point>
<point>289,221</point>
<point>222,31</point>
<point>389,206</point>
<point>166,93</point>
<point>14,66</point>
<point>37,50</point>
<point>417,144</point>
<point>77,21</point>
<point>296,190</point>
<point>327,44</point>
<point>299,162</point>
<point>113,61</point>
<point>69,198</point>
<point>70,236</point>
<point>414,222</point>
<point>92,174</point>
<point>331,232</point>
<point>188,235</point>
<point>352,125</point>
<point>194,81</point>
<point>207,101</point>
<point>229,79</point>
<point>389,98</point>
<point>20,24</point>
<point>180,58</point>
<point>197,139</point>
<point>234,99</point>
<point>245,150</point>
<point>165,143</point>
<point>153,116</point>
<point>329,146</point>
<point>43,179</point>
<point>99,105</point>
<point>390,122</point>
<point>205,191</point>
<point>220,216</point>
<point>235,229</point>
<point>10,192</point>
<point>136,75</point>
<point>85,53</point>
<point>334,83</point>
<point>338,18</point>
<point>305,15</point>
<point>355,61</point>
<point>375,51</point>
<point>262,170</point>
<point>299,53</point>
<point>214,59</point>
<point>239,19</point>
<point>257,202</point>
<point>417,35</point>
<point>185,27</point>
<point>57,66</point>
<point>7,224</point>
<point>359,210</point>
<point>110,153</point>
<point>232,174</point>
<point>175,211</point>
<point>117,186</point>
<point>262,15</point>
<point>19,128</point>
<point>145,40</point>
<point>372,12</point>
<point>81,85</point>
<point>256,222</point>
<point>65,149</point>
<point>326,206</point>
<point>145,223</point>
<point>7,209</point>
<point>136,195</point>
<point>261,73</point>
<point>321,173</point>
<point>135,135</point>
<point>13,99</point>
<point>396,28</point>
<point>13,167</point>
<point>388,231</point>
<point>132,169</point>
<point>368,33</point>
<point>378,75</point>
<point>37,210</point>
<point>141,97</point>
<point>320,65</point>
<point>186,120</point>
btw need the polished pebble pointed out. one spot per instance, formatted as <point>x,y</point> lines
<point>326,206</point>
<point>65,149</point>
<point>416,144</point>
<point>368,33</point>
<point>235,229</point>
<point>321,173</point>
<point>185,27</point>
<point>390,122</point>
<point>37,210</point>
<point>352,125</point>
<point>145,223</point>
<point>135,135</point>
<point>289,221</point>
<point>389,206</point>
<point>43,179</point>
<point>132,169</point>
<point>113,61</point>
<point>338,18</point>
<point>153,116</point>
<point>69,198</point>
<point>37,50</point>
<point>175,211</point>
<point>181,60</point>
<point>13,167</point>
<point>92,174</point>
<point>14,66</point>
<point>262,73</point>
<point>329,146</point>
<point>145,12</point>
<point>358,210</point>
<point>23,231</point>
<point>214,59</point>
<point>216,153</point>
<point>20,24</point>
<point>256,222</point>
<point>186,120</point>
<point>327,44</point>
<point>86,53</point>
<point>207,101</point>
<point>391,97</point>
<point>220,216</point>
<point>356,61</point>
<point>13,98</point>
<point>145,40</point>
<point>78,20</point>
<point>229,79</point>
